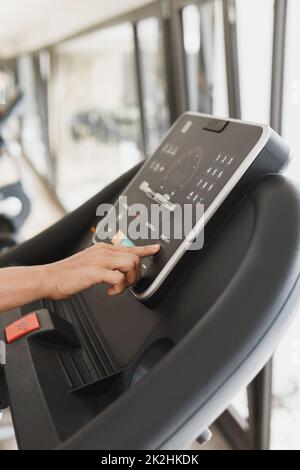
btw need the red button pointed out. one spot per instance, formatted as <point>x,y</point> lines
<point>22,327</point>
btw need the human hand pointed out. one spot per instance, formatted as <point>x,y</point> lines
<point>119,267</point>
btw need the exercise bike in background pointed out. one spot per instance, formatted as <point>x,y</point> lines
<point>14,203</point>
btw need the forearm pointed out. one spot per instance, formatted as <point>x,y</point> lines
<point>118,267</point>
<point>22,285</point>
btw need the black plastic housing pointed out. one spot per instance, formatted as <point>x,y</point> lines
<point>170,370</point>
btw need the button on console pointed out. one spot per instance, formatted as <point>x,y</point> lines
<point>22,327</point>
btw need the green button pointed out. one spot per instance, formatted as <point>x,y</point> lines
<point>127,243</point>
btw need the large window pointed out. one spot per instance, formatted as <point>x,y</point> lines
<point>255,38</point>
<point>33,74</point>
<point>96,116</point>
<point>7,83</point>
<point>9,129</point>
<point>286,389</point>
<point>205,57</point>
<point>291,109</point>
<point>153,83</point>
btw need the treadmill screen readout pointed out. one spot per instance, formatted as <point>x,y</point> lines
<point>191,166</point>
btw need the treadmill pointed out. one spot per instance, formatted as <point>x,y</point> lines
<point>153,368</point>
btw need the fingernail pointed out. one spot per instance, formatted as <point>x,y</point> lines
<point>156,247</point>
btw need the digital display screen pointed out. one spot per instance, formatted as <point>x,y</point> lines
<point>190,168</point>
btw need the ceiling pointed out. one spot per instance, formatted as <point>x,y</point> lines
<point>31,24</point>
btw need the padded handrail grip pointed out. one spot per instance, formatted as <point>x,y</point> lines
<point>255,308</point>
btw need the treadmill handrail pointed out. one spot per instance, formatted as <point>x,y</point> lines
<point>154,413</point>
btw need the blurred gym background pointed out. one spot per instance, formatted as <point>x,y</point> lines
<point>95,86</point>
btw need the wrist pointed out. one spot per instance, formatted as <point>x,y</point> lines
<point>44,281</point>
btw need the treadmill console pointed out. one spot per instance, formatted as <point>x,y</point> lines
<point>73,378</point>
<point>196,167</point>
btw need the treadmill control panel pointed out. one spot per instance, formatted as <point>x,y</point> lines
<point>197,165</point>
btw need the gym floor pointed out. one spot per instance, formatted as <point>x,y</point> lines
<point>286,391</point>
